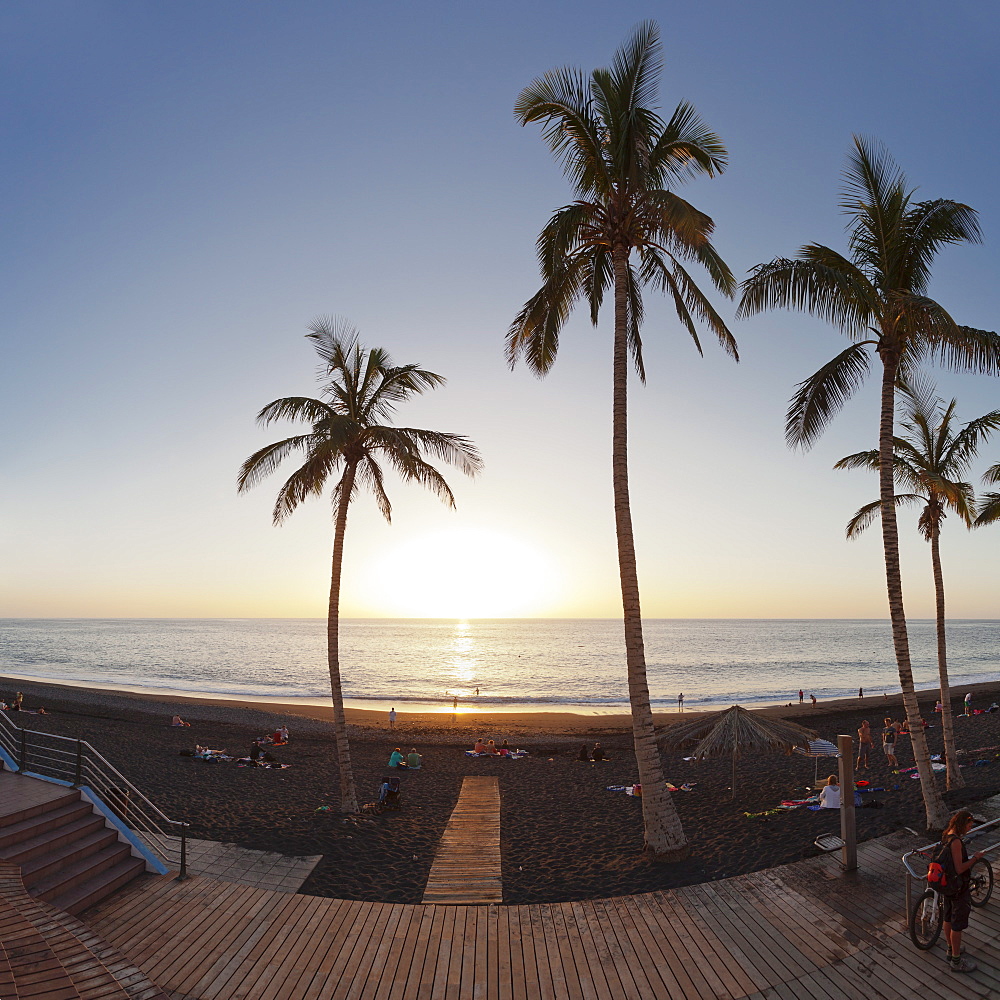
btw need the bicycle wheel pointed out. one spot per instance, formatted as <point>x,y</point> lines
<point>981,882</point>
<point>925,921</point>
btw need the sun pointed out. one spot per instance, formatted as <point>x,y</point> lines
<point>463,573</point>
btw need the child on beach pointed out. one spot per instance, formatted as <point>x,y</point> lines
<point>957,904</point>
<point>178,721</point>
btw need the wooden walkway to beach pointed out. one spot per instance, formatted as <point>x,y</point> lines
<point>466,866</point>
<point>806,931</point>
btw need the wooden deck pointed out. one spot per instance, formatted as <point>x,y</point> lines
<point>466,866</point>
<point>806,931</point>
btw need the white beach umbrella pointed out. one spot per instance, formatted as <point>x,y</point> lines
<point>817,749</point>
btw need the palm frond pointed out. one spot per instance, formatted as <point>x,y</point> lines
<point>992,475</point>
<point>987,510</point>
<point>294,408</point>
<point>963,348</point>
<point>306,481</point>
<point>265,460</point>
<point>820,397</point>
<point>369,474</point>
<point>687,147</point>
<point>859,460</point>
<point>454,449</point>
<point>867,514</point>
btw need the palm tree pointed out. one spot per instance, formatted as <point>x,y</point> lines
<point>351,436</point>
<point>877,295</point>
<point>988,508</point>
<point>930,457</point>
<point>624,231</point>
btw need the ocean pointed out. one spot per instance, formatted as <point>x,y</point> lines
<point>527,664</point>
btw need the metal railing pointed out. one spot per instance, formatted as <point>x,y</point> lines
<point>79,765</point>
<point>976,831</point>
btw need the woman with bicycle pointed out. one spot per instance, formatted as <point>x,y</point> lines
<point>958,907</point>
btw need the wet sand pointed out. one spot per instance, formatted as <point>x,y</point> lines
<point>563,835</point>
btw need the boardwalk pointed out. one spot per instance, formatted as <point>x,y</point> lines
<point>466,866</point>
<point>805,931</point>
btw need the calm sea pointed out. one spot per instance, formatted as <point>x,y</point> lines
<point>573,664</point>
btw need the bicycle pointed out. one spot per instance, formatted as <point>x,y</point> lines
<point>927,914</point>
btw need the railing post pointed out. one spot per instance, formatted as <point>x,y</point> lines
<point>78,773</point>
<point>23,753</point>
<point>183,874</point>
<point>848,828</point>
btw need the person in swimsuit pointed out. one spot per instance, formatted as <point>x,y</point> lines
<point>864,745</point>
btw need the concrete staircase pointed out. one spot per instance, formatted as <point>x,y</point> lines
<point>67,854</point>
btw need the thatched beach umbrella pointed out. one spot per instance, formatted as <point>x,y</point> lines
<point>734,732</point>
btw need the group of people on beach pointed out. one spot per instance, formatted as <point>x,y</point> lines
<point>490,747</point>
<point>411,762</point>
<point>598,753</point>
<point>17,705</point>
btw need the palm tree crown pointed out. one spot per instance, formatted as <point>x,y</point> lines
<point>930,457</point>
<point>988,509</point>
<point>621,157</point>
<point>877,294</point>
<point>360,391</point>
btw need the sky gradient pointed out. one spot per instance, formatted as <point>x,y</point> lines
<point>190,184</point>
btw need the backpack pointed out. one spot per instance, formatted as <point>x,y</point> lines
<point>941,874</point>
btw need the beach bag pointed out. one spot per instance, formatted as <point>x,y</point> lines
<point>941,874</point>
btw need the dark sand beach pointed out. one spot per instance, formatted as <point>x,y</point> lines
<point>563,835</point>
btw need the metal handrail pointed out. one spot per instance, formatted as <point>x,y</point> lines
<point>911,874</point>
<point>84,765</point>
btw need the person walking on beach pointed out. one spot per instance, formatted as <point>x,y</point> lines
<point>861,692</point>
<point>801,695</point>
<point>953,857</point>
<point>392,718</point>
<point>864,745</point>
<point>889,744</point>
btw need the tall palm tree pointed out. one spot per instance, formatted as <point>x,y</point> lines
<point>877,295</point>
<point>351,436</point>
<point>988,508</point>
<point>624,231</point>
<point>930,457</point>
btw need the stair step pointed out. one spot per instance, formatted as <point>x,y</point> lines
<point>13,833</point>
<point>81,871</point>
<point>33,871</point>
<point>77,899</point>
<point>72,795</point>
<point>25,850</point>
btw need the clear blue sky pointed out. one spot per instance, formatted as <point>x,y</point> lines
<point>189,184</point>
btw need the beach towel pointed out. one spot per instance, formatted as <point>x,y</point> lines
<point>513,755</point>
<point>247,762</point>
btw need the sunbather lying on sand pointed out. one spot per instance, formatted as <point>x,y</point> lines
<point>178,721</point>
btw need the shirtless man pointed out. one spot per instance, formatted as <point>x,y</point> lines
<point>864,745</point>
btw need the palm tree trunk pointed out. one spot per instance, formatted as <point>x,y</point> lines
<point>954,776</point>
<point>663,834</point>
<point>348,794</point>
<point>934,806</point>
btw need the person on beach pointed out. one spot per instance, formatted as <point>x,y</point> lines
<point>958,906</point>
<point>17,702</point>
<point>801,695</point>
<point>396,759</point>
<point>454,703</point>
<point>813,697</point>
<point>583,754</point>
<point>392,718</point>
<point>480,746</point>
<point>680,702</point>
<point>599,752</point>
<point>504,749</point>
<point>178,721</point>
<point>829,797</point>
<point>413,760</point>
<point>938,707</point>
<point>889,744</point>
<point>491,747</point>
<point>861,692</point>
<point>968,704</point>
<point>864,745</point>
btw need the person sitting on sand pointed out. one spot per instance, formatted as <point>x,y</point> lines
<point>583,754</point>
<point>396,759</point>
<point>413,760</point>
<point>491,747</point>
<point>480,746</point>
<point>938,707</point>
<point>15,705</point>
<point>599,752</point>
<point>829,796</point>
<point>504,749</point>
<point>178,721</point>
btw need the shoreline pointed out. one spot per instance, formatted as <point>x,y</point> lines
<point>541,720</point>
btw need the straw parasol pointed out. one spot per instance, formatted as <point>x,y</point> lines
<point>736,731</point>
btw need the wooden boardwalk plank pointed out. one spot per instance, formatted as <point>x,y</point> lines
<point>466,866</point>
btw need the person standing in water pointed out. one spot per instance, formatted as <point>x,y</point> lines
<point>801,695</point>
<point>454,703</point>
<point>680,702</point>
<point>392,718</point>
